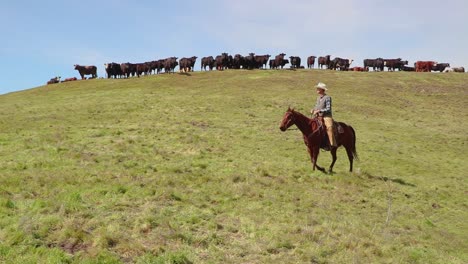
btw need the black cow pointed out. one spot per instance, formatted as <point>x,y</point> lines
<point>368,63</point>
<point>221,61</point>
<point>128,69</point>
<point>249,62</point>
<point>311,62</point>
<point>237,61</point>
<point>339,63</point>
<point>407,68</point>
<point>86,70</point>
<point>283,63</point>
<point>160,65</point>
<point>376,64</point>
<point>440,67</point>
<point>113,70</point>
<point>170,64</point>
<point>193,59</point>
<point>187,64</point>
<point>229,62</point>
<point>141,68</point>
<point>272,64</point>
<point>156,66</point>
<point>54,80</point>
<point>207,61</point>
<point>393,64</point>
<point>399,65</point>
<point>295,62</point>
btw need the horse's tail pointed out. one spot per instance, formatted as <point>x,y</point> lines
<point>353,150</point>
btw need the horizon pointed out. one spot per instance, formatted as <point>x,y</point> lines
<point>91,33</point>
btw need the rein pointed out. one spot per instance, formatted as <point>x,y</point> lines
<point>319,126</point>
<point>311,120</point>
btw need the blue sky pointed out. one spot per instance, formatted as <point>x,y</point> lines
<point>43,39</point>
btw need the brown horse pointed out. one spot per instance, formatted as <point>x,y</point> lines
<point>315,137</point>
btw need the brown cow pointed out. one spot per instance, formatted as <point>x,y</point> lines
<point>279,60</point>
<point>311,62</point>
<point>273,64</point>
<point>323,61</point>
<point>221,61</point>
<point>144,67</point>
<point>424,66</point>
<point>361,69</point>
<point>86,70</point>
<point>70,79</point>
<point>261,60</point>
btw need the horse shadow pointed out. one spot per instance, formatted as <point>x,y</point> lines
<point>185,73</point>
<point>395,180</point>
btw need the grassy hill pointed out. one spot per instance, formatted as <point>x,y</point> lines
<point>194,169</point>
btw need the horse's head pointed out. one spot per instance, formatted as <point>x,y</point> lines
<point>288,119</point>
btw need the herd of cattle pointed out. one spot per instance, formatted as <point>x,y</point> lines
<point>252,61</point>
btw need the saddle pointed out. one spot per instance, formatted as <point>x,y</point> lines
<point>337,129</point>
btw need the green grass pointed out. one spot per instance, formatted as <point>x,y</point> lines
<point>194,169</point>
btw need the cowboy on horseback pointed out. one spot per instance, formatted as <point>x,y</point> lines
<point>323,109</point>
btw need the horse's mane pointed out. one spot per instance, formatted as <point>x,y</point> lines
<point>292,110</point>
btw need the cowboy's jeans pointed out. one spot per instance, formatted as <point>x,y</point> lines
<point>329,125</point>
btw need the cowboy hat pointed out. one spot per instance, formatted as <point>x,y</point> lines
<point>321,85</point>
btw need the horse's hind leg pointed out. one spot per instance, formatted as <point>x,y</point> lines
<point>333,153</point>
<point>350,157</point>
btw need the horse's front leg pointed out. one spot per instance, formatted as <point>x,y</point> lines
<point>333,153</point>
<point>314,151</point>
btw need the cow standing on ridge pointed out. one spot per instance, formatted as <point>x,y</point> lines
<point>86,70</point>
<point>324,61</point>
<point>249,62</point>
<point>424,66</point>
<point>221,61</point>
<point>170,64</point>
<point>279,60</point>
<point>207,61</point>
<point>186,64</point>
<point>237,61</point>
<point>113,70</point>
<point>393,64</point>
<point>311,62</point>
<point>295,62</point>
<point>261,60</point>
<point>376,64</point>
